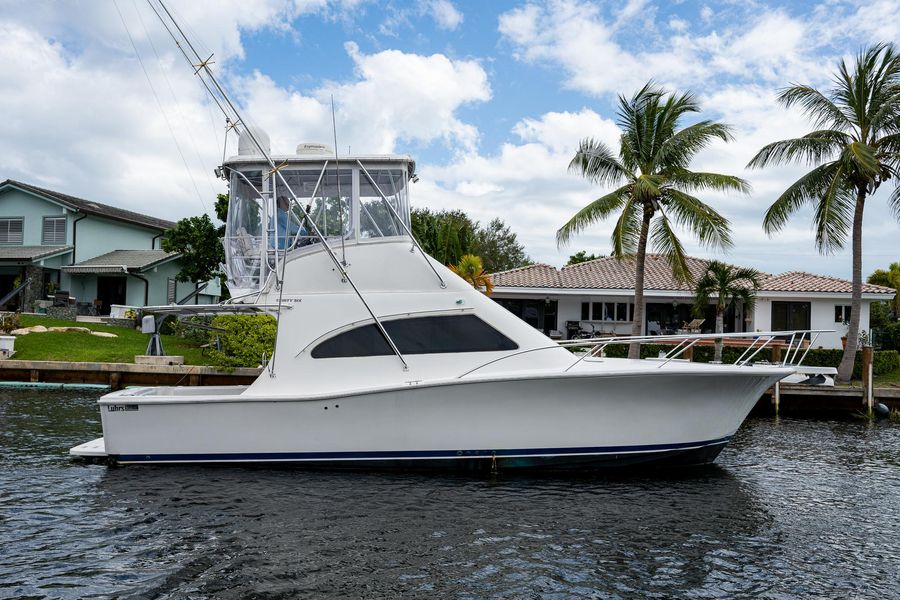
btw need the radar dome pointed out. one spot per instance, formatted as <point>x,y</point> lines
<point>246,147</point>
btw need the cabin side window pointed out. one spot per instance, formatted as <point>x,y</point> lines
<point>419,335</point>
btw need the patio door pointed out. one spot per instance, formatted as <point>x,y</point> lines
<point>110,290</point>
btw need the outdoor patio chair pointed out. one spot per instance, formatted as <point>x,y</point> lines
<point>694,326</point>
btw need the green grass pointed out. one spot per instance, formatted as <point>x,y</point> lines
<point>84,347</point>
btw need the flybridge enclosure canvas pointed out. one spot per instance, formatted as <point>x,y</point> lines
<point>356,200</point>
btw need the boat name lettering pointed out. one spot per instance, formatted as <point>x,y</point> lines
<point>121,407</point>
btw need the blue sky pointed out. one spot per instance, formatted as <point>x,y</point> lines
<point>490,97</point>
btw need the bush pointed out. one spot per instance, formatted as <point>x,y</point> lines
<point>9,321</point>
<point>888,337</point>
<point>247,338</point>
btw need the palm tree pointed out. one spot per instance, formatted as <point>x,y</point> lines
<point>656,187</point>
<point>471,269</point>
<point>889,278</point>
<point>856,147</point>
<point>729,285</point>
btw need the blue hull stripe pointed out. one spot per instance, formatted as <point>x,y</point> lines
<point>413,454</point>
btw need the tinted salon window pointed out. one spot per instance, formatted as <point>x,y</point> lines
<point>422,335</point>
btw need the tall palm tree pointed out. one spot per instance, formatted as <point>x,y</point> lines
<point>656,187</point>
<point>856,147</point>
<point>471,269</point>
<point>728,285</point>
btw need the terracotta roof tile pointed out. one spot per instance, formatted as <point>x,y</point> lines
<point>539,275</point>
<point>611,274</point>
<point>800,281</point>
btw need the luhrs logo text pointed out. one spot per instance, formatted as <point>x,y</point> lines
<point>121,407</point>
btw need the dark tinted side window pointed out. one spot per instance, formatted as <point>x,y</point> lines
<point>422,335</point>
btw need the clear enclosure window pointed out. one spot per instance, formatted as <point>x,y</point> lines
<point>376,219</point>
<point>327,208</point>
<point>245,230</point>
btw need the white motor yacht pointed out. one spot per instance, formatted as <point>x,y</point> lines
<point>385,358</point>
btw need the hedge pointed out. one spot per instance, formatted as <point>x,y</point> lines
<point>246,339</point>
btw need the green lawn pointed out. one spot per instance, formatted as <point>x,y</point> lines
<point>84,347</point>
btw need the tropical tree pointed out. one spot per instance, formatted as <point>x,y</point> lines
<point>889,277</point>
<point>728,285</point>
<point>471,269</point>
<point>582,256</point>
<point>656,186</point>
<point>499,247</point>
<point>855,147</point>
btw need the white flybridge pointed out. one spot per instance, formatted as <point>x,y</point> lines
<point>385,358</point>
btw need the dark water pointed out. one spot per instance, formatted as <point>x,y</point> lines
<point>793,509</point>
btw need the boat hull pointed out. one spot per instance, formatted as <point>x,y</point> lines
<point>580,422</point>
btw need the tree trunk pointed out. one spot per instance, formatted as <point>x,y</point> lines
<point>845,370</point>
<point>720,327</point>
<point>634,350</point>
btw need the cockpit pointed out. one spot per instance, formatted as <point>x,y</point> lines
<point>274,214</point>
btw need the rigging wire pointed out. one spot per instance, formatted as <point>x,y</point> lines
<point>159,104</point>
<point>337,168</point>
<point>178,111</point>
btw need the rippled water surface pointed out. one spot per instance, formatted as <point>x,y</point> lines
<point>792,509</point>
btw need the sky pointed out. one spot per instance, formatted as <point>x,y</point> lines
<point>491,98</point>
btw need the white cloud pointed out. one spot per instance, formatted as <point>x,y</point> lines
<point>81,118</point>
<point>445,14</point>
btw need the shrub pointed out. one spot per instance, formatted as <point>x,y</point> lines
<point>9,321</point>
<point>246,339</point>
<point>889,336</point>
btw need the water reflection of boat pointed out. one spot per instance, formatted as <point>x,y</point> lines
<point>385,358</point>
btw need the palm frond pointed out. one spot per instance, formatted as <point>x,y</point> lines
<point>894,203</point>
<point>678,150</point>
<point>596,162</point>
<point>666,242</point>
<point>710,227</point>
<point>833,216</point>
<point>695,181</point>
<point>812,148</point>
<point>821,109</point>
<point>597,210</point>
<point>627,230</point>
<point>807,189</point>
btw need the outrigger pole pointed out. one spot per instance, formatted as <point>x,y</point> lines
<point>235,120</point>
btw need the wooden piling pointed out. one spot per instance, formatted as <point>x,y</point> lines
<point>868,363</point>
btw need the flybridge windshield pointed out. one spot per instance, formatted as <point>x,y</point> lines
<point>355,202</point>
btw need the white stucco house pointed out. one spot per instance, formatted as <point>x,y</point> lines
<point>598,295</point>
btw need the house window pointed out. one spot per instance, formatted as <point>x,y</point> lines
<point>842,313</point>
<point>170,291</point>
<point>54,231</point>
<point>788,316</point>
<point>585,311</point>
<point>420,335</point>
<point>11,230</point>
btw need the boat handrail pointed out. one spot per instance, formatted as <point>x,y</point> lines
<point>685,341</point>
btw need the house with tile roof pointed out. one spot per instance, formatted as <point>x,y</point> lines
<point>102,255</point>
<point>598,296</point>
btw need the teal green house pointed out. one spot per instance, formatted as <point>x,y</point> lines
<point>102,255</point>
